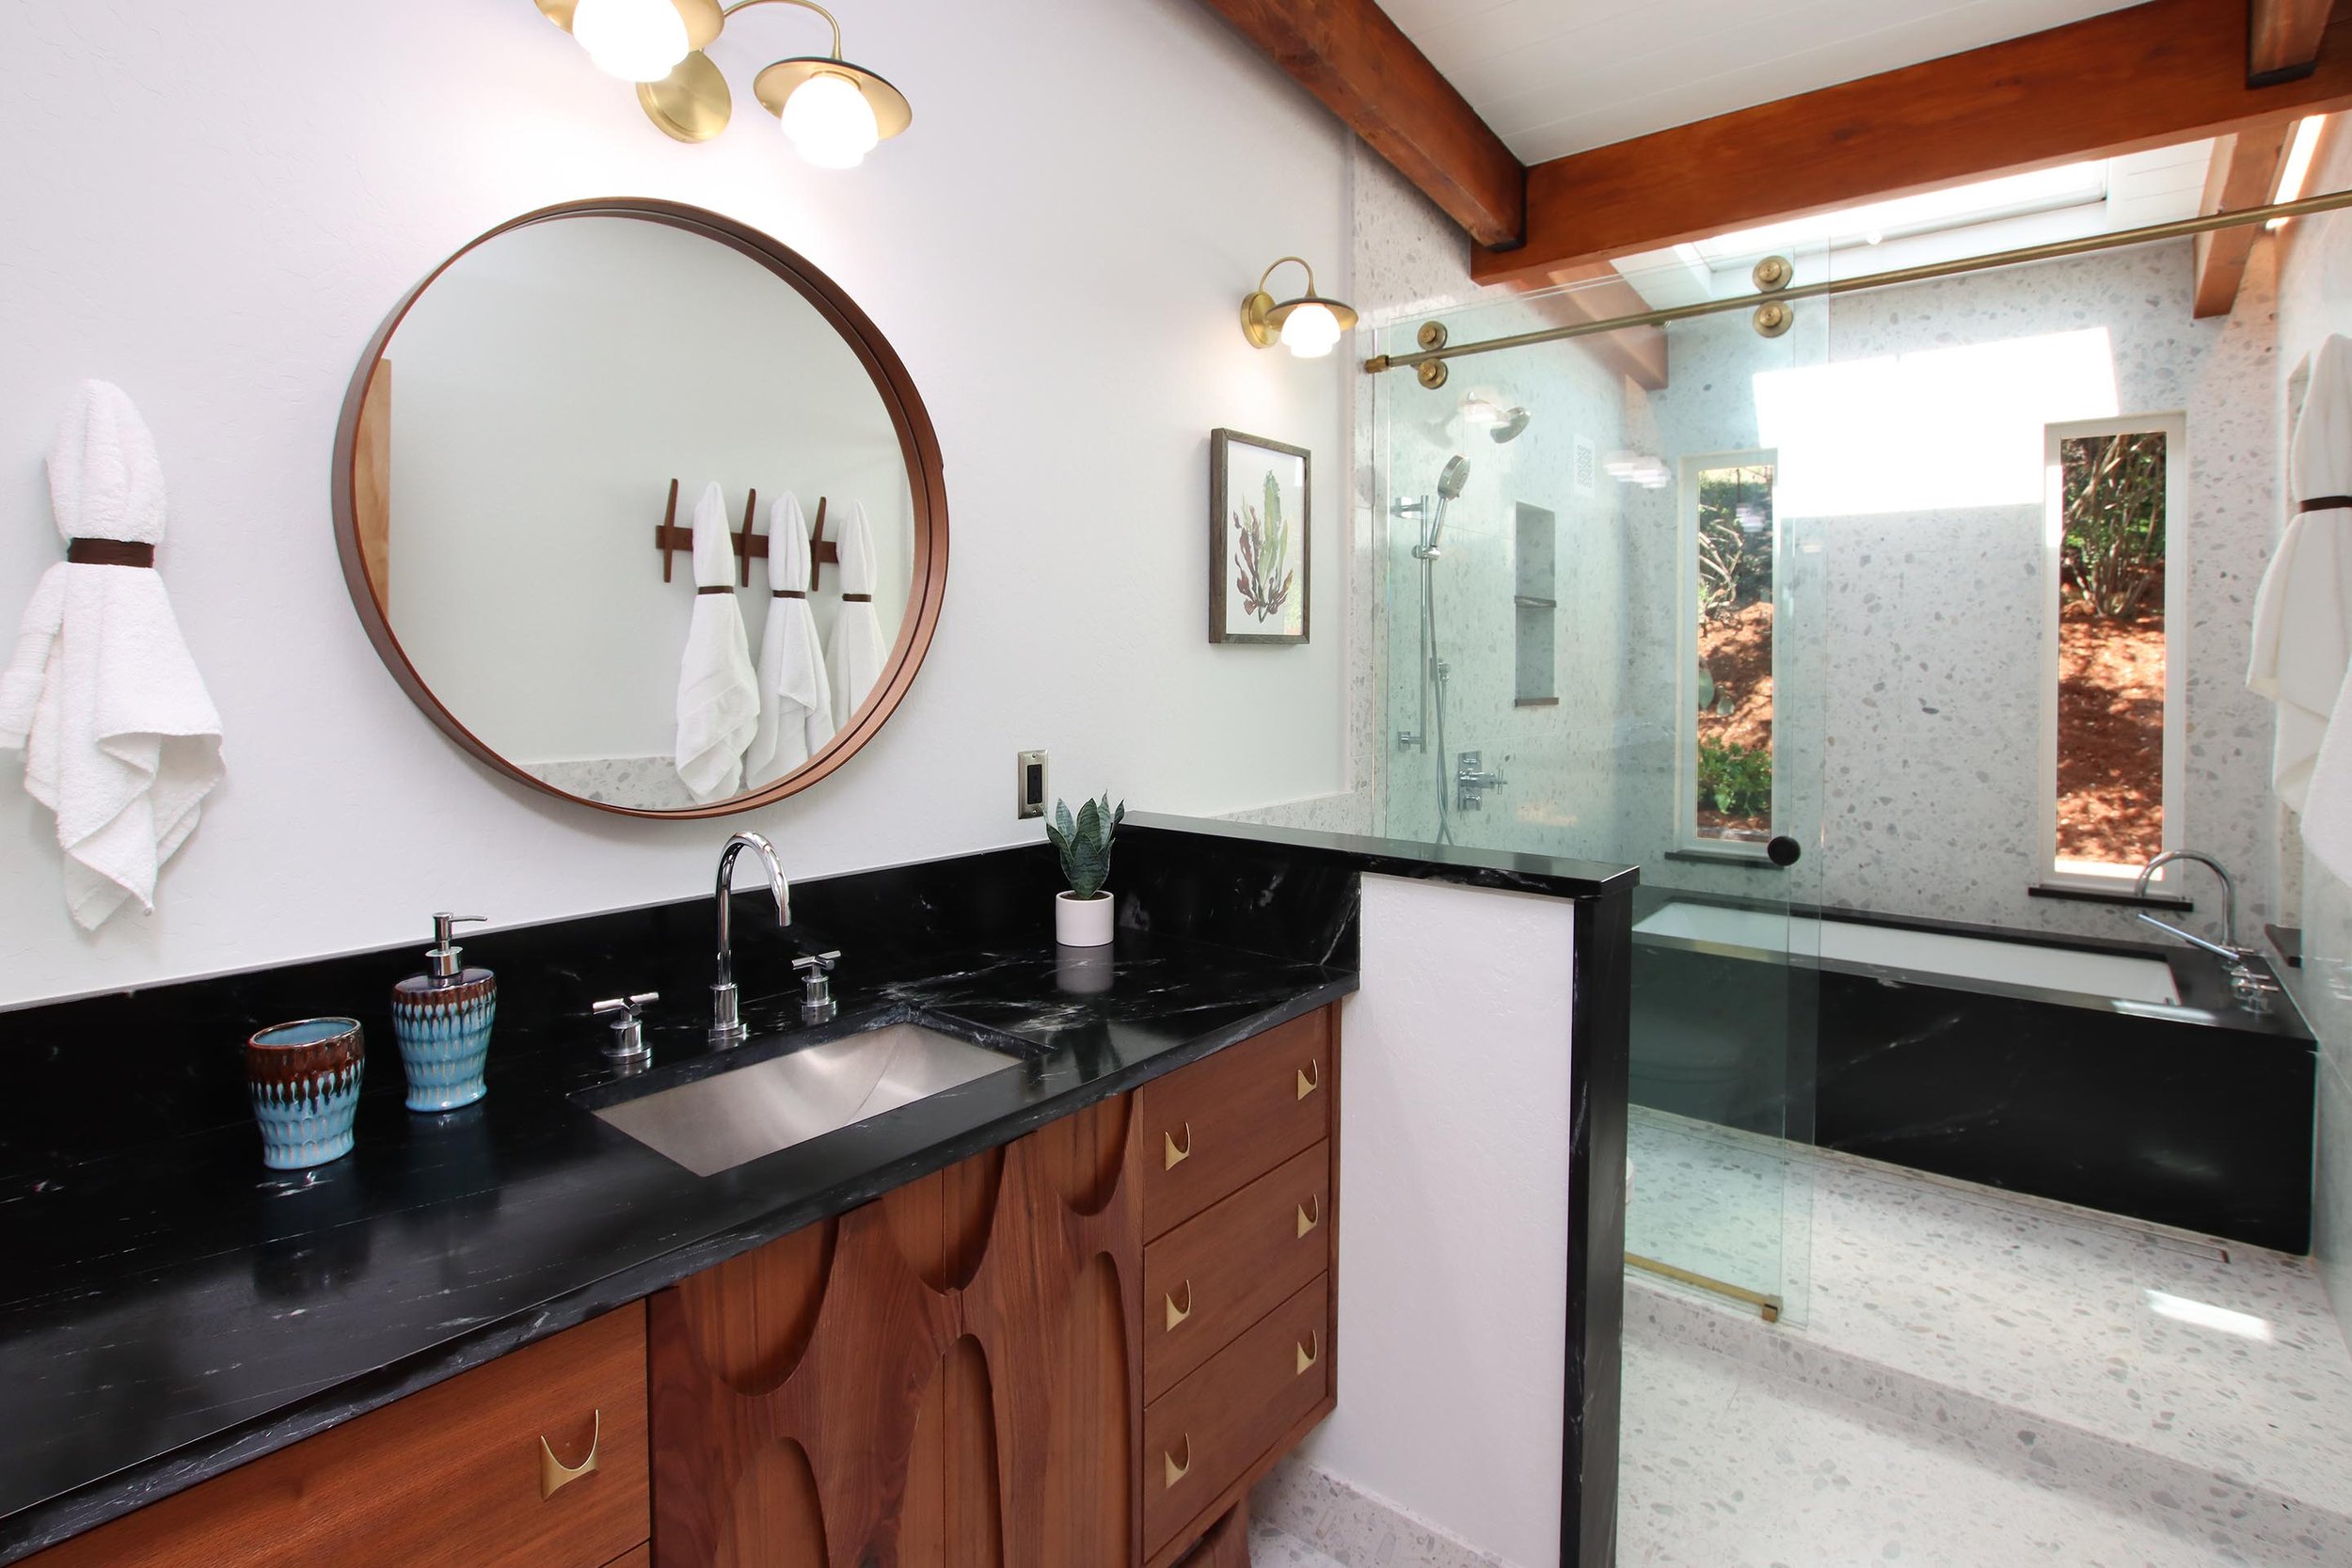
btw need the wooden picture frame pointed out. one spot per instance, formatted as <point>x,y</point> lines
<point>1250,601</point>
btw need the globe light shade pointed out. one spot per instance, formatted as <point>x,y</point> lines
<point>830,122</point>
<point>1310,331</point>
<point>638,40</point>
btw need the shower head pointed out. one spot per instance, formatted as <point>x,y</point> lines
<point>1450,479</point>
<point>1514,424</point>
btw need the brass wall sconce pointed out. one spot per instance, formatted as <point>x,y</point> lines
<point>1310,326</point>
<point>834,112</point>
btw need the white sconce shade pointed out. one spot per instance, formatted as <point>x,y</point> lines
<point>638,40</point>
<point>829,122</point>
<point>1311,331</point>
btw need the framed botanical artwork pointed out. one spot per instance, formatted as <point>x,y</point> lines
<point>1259,499</point>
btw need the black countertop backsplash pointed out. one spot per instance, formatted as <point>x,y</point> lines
<point>170,1308</point>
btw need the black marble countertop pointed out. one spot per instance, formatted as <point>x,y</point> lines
<point>170,1308</point>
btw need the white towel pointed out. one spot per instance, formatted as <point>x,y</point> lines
<point>718,695</point>
<point>857,651</point>
<point>120,739</point>
<point>2303,611</point>
<point>795,701</point>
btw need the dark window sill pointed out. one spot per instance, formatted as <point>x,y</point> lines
<point>1534,701</point>
<point>1757,861</point>
<point>2129,900</point>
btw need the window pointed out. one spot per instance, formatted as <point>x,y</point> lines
<point>2115,582</point>
<point>1730,547</point>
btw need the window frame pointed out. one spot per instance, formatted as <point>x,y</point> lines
<point>1687,838</point>
<point>2049,870</point>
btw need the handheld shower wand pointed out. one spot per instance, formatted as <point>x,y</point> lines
<point>1451,481</point>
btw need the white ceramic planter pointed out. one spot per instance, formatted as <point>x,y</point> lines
<point>1083,921</point>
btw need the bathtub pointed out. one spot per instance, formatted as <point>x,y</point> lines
<point>2117,1075</point>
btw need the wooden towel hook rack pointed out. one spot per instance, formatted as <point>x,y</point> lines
<point>669,538</point>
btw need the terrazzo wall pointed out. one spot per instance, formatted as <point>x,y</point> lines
<point>1909,685</point>
<point>2316,299</point>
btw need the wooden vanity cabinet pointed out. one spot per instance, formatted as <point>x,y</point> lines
<point>1076,1351</point>
<point>995,1365</point>
<point>456,1474</point>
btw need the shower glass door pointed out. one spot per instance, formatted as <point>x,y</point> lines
<point>1599,635</point>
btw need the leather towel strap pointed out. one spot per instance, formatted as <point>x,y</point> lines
<point>792,594</point>
<point>719,590</point>
<point>110,552</point>
<point>857,598</point>
<point>2325,503</point>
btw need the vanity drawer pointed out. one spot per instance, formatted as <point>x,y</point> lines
<point>1224,1121</point>
<point>1225,1268</point>
<point>1204,1434</point>
<point>451,1474</point>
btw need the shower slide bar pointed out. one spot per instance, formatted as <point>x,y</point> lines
<point>1430,360</point>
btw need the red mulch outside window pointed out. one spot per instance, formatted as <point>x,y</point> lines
<point>1738,652</point>
<point>2110,780</point>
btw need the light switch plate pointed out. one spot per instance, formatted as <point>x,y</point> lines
<point>1030,785</point>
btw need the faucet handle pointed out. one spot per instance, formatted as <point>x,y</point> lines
<point>622,1012</point>
<point>815,972</point>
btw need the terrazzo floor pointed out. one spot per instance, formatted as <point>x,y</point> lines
<point>2007,1381</point>
<point>1270,1548</point>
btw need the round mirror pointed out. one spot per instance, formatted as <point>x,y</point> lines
<point>641,510</point>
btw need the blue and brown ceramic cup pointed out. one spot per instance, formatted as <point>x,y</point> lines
<point>305,1078</point>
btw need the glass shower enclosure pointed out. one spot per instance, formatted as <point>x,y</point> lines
<point>1599,633</point>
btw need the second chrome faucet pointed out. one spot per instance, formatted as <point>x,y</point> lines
<point>726,1022</point>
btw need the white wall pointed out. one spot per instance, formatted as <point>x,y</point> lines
<point>1453,1215</point>
<point>545,391</point>
<point>215,206</point>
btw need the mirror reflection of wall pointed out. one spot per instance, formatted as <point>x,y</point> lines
<point>548,386</point>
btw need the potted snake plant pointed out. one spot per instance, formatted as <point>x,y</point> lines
<point>1082,916</point>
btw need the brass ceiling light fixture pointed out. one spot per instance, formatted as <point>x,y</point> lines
<point>834,112</point>
<point>1310,326</point>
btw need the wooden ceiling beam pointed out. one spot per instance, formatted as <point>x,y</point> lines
<point>2153,75</point>
<point>1360,64</point>
<point>2244,172</point>
<point>2282,40</point>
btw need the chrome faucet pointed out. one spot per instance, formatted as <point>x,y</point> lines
<point>2252,988</point>
<point>726,1025</point>
<point>2229,892</point>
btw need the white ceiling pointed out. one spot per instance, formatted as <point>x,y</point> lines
<point>1557,76</point>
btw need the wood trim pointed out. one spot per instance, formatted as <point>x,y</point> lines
<point>918,441</point>
<point>2282,39</point>
<point>2244,172</point>
<point>371,483</point>
<point>1360,64</point>
<point>2153,75</point>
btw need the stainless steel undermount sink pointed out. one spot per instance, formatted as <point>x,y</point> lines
<point>728,1118</point>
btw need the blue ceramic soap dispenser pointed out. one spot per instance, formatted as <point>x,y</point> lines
<point>442,1019</point>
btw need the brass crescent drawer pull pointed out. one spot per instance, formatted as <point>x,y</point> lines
<point>1177,1156</point>
<point>554,1475</point>
<point>1178,1314</point>
<point>1177,1472</point>
<point>1311,1351</point>
<point>1308,1085</point>
<point>1309,1214</point>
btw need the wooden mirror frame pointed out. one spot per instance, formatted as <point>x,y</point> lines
<point>918,440</point>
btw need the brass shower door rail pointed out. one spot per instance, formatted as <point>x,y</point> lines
<point>1429,361</point>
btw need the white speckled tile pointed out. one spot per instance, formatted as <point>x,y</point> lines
<point>1355,1528</point>
<point>2029,1330</point>
<point>1727,1465</point>
<point>1272,1548</point>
